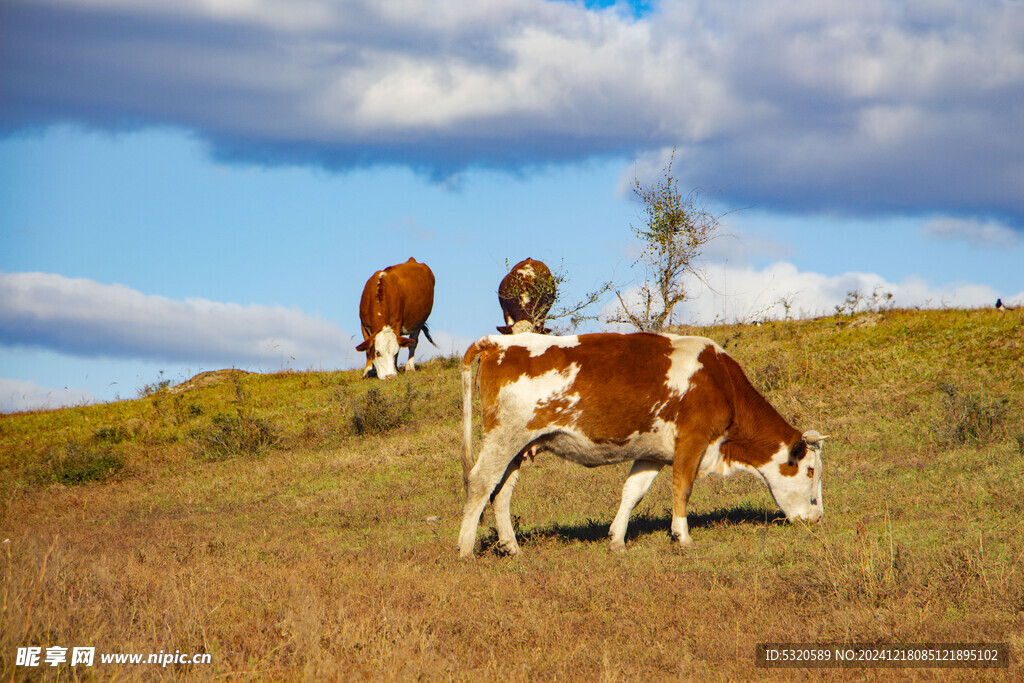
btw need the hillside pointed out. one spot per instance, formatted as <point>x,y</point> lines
<point>303,524</point>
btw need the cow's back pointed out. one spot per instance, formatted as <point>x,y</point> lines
<point>401,296</point>
<point>607,387</point>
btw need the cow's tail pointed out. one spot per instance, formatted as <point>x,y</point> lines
<point>426,333</point>
<point>467,412</point>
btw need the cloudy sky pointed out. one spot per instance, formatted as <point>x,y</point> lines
<point>203,184</point>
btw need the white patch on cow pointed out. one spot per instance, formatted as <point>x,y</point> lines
<point>712,462</point>
<point>536,344</point>
<point>385,351</point>
<point>798,496</point>
<point>684,361</point>
<point>518,399</point>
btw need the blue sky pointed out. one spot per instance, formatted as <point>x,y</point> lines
<point>186,188</point>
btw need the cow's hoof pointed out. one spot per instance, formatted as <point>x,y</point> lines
<point>682,542</point>
<point>617,547</point>
<point>507,549</point>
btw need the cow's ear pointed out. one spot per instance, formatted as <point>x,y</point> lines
<point>504,329</point>
<point>365,345</point>
<point>404,341</point>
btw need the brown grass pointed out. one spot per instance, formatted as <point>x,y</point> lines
<point>329,553</point>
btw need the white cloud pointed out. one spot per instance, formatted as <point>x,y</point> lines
<point>980,233</point>
<point>85,318</point>
<point>17,395</point>
<point>746,294</point>
<point>867,107</point>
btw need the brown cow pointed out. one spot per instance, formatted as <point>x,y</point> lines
<point>653,399</point>
<point>526,295</point>
<point>396,301</point>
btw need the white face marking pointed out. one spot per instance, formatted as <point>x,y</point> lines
<point>385,349</point>
<point>794,495</point>
<point>684,361</point>
<point>536,344</point>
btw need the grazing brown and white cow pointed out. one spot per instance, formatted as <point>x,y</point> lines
<point>396,301</point>
<point>526,295</point>
<point>598,399</point>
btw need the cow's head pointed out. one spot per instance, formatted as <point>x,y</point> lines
<point>382,351</point>
<point>793,476</point>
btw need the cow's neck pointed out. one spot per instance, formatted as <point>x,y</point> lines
<point>757,430</point>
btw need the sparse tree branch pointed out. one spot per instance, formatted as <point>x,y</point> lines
<point>674,231</point>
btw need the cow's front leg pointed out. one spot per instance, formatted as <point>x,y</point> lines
<point>503,508</point>
<point>685,460</point>
<point>641,475</point>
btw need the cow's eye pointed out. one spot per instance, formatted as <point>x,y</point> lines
<point>810,471</point>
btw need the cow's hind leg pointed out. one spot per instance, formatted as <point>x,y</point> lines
<point>641,475</point>
<point>410,365</point>
<point>502,508</point>
<point>485,476</point>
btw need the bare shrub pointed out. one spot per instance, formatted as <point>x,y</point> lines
<point>969,420</point>
<point>78,463</point>
<point>375,414</point>
<point>675,229</point>
<point>230,435</point>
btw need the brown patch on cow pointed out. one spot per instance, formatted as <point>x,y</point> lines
<point>792,465</point>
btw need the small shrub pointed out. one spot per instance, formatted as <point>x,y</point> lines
<point>76,464</point>
<point>183,412</point>
<point>856,301</point>
<point>969,420</point>
<point>452,360</point>
<point>112,434</point>
<point>153,388</point>
<point>375,414</point>
<point>230,435</point>
<point>768,377</point>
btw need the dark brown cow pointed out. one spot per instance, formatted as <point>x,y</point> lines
<point>396,301</point>
<point>598,399</point>
<point>526,295</point>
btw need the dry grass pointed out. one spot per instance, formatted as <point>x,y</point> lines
<point>327,551</point>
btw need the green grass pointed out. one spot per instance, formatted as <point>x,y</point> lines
<point>259,518</point>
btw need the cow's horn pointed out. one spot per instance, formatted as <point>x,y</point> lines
<point>813,439</point>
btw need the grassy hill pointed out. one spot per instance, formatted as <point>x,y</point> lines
<point>303,524</point>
